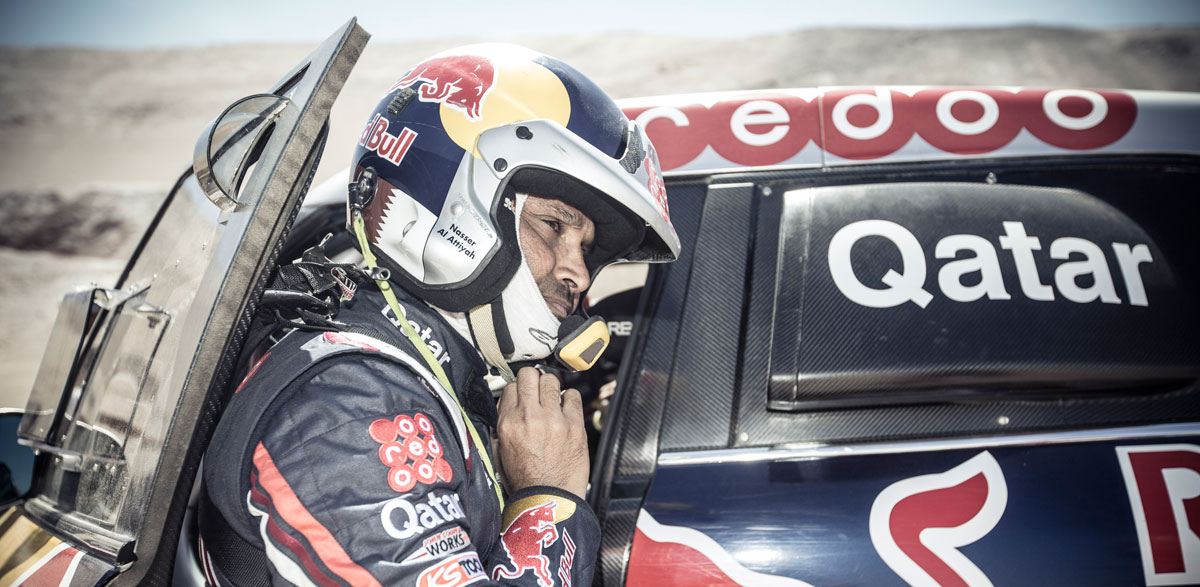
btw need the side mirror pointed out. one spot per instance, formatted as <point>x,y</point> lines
<point>229,147</point>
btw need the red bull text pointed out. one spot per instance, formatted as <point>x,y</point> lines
<point>375,137</point>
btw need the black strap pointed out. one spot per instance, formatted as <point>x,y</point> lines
<point>304,295</point>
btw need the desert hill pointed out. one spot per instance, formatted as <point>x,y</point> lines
<point>90,139</point>
<point>71,117</point>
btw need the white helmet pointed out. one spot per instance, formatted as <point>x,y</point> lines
<point>442,160</point>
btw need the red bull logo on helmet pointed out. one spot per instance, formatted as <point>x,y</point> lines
<point>477,93</point>
<point>459,81</point>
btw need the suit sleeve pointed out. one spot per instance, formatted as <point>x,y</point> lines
<point>549,535</point>
<point>362,479</point>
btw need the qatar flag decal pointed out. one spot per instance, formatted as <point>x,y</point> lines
<point>918,524</point>
<point>677,556</point>
<point>56,567</point>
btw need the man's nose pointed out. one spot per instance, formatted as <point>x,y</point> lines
<point>573,271</point>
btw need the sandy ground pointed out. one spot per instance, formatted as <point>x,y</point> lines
<point>89,139</point>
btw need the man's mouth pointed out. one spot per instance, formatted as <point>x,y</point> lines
<point>560,307</point>
<point>561,301</point>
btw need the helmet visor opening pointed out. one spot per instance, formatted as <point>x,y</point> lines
<point>618,230</point>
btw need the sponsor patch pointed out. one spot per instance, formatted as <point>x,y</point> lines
<point>441,544</point>
<point>760,128</point>
<point>410,450</point>
<point>1163,481</point>
<point>918,524</point>
<point>403,518</point>
<point>1082,257</point>
<point>461,82</point>
<point>463,569</point>
<point>678,555</point>
<point>658,189</point>
<point>461,240</point>
<point>525,538</point>
<point>442,355</point>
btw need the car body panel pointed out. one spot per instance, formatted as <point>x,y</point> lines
<point>1071,509</point>
<point>744,454</point>
<point>832,126</point>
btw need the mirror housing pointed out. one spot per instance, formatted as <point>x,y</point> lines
<point>230,146</point>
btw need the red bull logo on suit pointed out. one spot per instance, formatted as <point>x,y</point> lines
<point>524,539</point>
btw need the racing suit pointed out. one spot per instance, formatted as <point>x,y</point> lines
<point>340,460</point>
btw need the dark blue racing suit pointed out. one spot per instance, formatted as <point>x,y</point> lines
<point>341,461</point>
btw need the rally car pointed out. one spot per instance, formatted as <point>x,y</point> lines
<point>934,336</point>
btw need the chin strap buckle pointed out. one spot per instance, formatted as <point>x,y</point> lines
<point>379,273</point>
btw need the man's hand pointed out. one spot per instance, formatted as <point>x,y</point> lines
<point>541,434</point>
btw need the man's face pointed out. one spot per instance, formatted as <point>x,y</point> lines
<point>554,238</point>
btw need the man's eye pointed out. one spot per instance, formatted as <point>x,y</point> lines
<point>554,225</point>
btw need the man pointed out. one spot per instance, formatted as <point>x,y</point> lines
<point>489,186</point>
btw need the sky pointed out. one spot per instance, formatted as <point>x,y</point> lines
<point>138,24</point>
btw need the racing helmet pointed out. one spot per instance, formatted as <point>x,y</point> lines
<point>444,156</point>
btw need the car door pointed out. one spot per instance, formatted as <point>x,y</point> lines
<point>777,424</point>
<point>135,376</point>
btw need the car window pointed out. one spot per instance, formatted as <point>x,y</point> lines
<point>1055,294</point>
<point>921,292</point>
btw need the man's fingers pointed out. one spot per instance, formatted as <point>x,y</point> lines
<point>511,399</point>
<point>508,398</point>
<point>572,405</point>
<point>550,388</point>
<point>542,438</point>
<point>527,388</point>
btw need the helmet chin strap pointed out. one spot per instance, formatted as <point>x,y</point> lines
<point>484,330</point>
